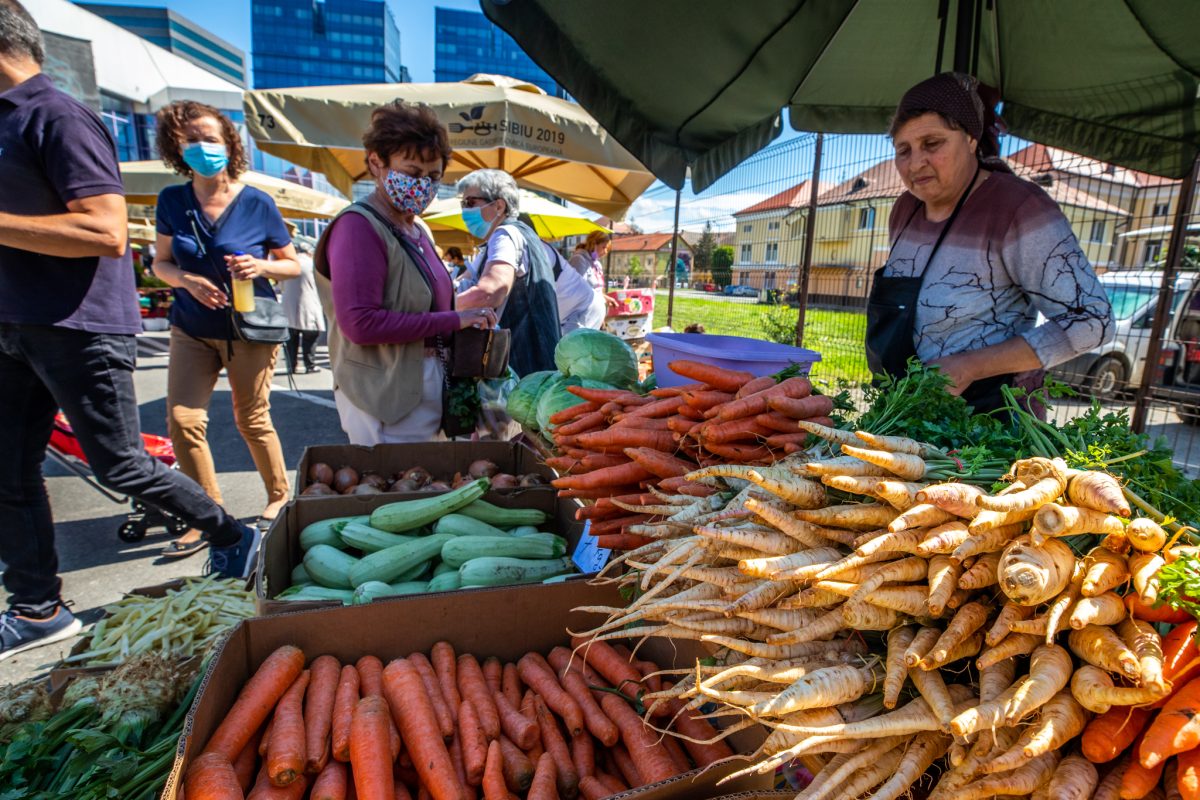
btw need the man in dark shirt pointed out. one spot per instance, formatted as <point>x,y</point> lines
<point>68,316</point>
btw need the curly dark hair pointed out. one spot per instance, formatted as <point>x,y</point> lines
<point>411,130</point>
<point>170,121</point>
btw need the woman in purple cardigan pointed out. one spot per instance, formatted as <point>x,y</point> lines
<point>388,297</point>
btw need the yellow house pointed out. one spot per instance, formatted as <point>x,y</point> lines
<point>642,257</point>
<point>767,248</point>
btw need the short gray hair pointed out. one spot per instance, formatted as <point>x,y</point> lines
<point>494,184</point>
<point>19,34</point>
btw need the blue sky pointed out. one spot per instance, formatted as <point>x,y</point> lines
<point>230,19</point>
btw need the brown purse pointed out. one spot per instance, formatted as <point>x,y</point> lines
<point>478,353</point>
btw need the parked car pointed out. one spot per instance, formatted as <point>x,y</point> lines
<point>1116,366</point>
<point>744,291</point>
<point>710,287</point>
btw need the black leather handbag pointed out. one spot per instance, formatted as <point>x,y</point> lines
<point>478,353</point>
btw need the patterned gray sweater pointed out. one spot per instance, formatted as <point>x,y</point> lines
<point>1010,254</point>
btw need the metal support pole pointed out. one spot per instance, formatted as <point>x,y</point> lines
<point>674,258</point>
<point>810,230</point>
<point>1162,308</point>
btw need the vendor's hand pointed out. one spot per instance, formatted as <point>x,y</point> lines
<point>611,302</point>
<point>244,267</point>
<point>482,318</point>
<point>960,368</point>
<point>204,290</point>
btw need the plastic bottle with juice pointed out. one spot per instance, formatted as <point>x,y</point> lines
<point>243,293</point>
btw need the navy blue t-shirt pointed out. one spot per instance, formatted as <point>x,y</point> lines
<point>251,224</point>
<point>54,149</point>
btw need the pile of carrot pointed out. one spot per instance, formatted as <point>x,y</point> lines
<point>620,449</point>
<point>446,726</point>
<point>884,625</point>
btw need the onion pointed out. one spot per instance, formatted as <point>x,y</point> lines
<point>374,479</point>
<point>404,485</point>
<point>460,480</point>
<point>482,469</point>
<point>321,472</point>
<point>532,479</point>
<point>317,490</point>
<point>344,479</point>
<point>503,480</point>
<point>436,486</point>
<point>364,488</point>
<point>418,475</point>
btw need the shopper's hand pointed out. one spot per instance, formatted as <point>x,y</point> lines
<point>482,318</point>
<point>611,302</point>
<point>244,267</point>
<point>204,291</point>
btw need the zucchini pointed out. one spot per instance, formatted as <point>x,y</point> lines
<point>311,592</point>
<point>501,571</point>
<point>329,566</point>
<point>409,587</point>
<point>503,517</point>
<point>442,568</point>
<point>422,571</point>
<point>460,550</point>
<point>375,590</point>
<point>300,575</point>
<point>370,540</point>
<point>462,525</point>
<point>388,565</point>
<point>320,532</point>
<point>446,582</point>
<point>524,530</point>
<point>408,515</point>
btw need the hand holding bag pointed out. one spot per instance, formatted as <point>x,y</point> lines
<point>479,353</point>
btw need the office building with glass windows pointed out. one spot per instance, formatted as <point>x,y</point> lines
<point>467,42</point>
<point>324,42</point>
<point>176,33</point>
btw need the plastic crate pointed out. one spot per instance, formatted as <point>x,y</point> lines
<point>755,356</point>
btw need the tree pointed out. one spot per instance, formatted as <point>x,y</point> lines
<point>635,267</point>
<point>704,248</point>
<point>722,265</point>
<point>1191,258</point>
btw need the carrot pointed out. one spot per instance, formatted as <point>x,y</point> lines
<point>754,387</point>
<point>704,400</point>
<point>473,687</point>
<point>513,723</point>
<point>740,453</point>
<point>510,683</point>
<point>473,743</point>
<point>696,490</point>
<point>759,402</point>
<point>676,391</point>
<point>601,657</point>
<point>727,380</point>
<point>644,423</point>
<point>325,673</point>
<point>1173,730</point>
<point>518,769</point>
<point>555,747</point>
<point>737,430</point>
<point>256,700</point>
<point>246,761</point>
<point>597,512</point>
<point>332,783</point>
<point>1107,736</point>
<point>370,759</point>
<point>443,660</point>
<point>545,777</point>
<point>682,424</point>
<point>602,395</point>
<point>409,701</point>
<point>597,723</point>
<point>1149,613</point>
<point>583,424</point>
<point>454,747</point>
<point>617,525</point>
<point>665,407</point>
<point>1188,774</point>
<point>690,724</point>
<point>494,787</point>
<point>608,476</point>
<point>493,671</point>
<point>344,701</point>
<point>595,494</point>
<point>211,777</point>
<point>265,740</point>
<point>263,789</point>
<point>688,412</point>
<point>401,789</point>
<point>1180,654</point>
<point>675,751</point>
<point>370,676</point>
<point>568,414</point>
<point>615,785</point>
<point>615,440</point>
<point>653,762</point>
<point>780,440</point>
<point>624,764</point>
<point>592,788</point>
<point>538,675</point>
<point>583,754</point>
<point>286,754</point>
<point>1138,780</point>
<point>658,463</point>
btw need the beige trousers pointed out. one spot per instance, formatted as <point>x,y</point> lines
<point>192,374</point>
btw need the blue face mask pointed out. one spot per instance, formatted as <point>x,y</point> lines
<point>206,158</point>
<point>476,224</point>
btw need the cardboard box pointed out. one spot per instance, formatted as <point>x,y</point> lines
<point>442,459</point>
<point>506,623</point>
<point>281,551</point>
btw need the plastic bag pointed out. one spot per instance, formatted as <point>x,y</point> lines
<point>494,421</point>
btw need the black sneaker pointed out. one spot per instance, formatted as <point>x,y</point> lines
<point>19,633</point>
<point>235,560</point>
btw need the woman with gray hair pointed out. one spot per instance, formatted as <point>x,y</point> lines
<point>515,269</point>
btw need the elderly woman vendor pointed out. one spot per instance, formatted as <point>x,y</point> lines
<point>976,253</point>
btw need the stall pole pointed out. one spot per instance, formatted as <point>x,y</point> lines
<point>671,266</point>
<point>1162,308</point>
<point>810,231</point>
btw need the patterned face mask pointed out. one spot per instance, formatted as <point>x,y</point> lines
<point>409,194</point>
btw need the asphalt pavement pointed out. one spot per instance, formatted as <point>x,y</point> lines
<point>96,566</point>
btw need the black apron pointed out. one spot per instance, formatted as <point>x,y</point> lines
<point>892,316</point>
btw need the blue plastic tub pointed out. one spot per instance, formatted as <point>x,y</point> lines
<point>755,356</point>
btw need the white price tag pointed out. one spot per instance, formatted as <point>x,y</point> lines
<point>587,556</point>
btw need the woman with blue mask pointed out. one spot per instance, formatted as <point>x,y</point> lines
<point>387,296</point>
<point>516,270</point>
<point>212,231</point>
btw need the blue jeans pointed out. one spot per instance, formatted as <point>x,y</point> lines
<point>90,377</point>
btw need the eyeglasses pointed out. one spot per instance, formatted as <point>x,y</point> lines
<point>474,202</point>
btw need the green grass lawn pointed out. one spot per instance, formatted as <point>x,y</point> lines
<point>837,335</point>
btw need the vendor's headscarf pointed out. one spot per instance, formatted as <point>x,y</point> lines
<point>963,99</point>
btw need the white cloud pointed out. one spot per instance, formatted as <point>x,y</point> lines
<point>656,212</point>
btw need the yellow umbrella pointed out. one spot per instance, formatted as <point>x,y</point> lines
<point>546,143</point>
<point>145,179</point>
<point>550,220</point>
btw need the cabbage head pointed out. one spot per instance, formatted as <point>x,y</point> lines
<point>522,403</point>
<point>555,397</point>
<point>597,356</point>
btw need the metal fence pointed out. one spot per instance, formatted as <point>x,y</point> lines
<point>758,216</point>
